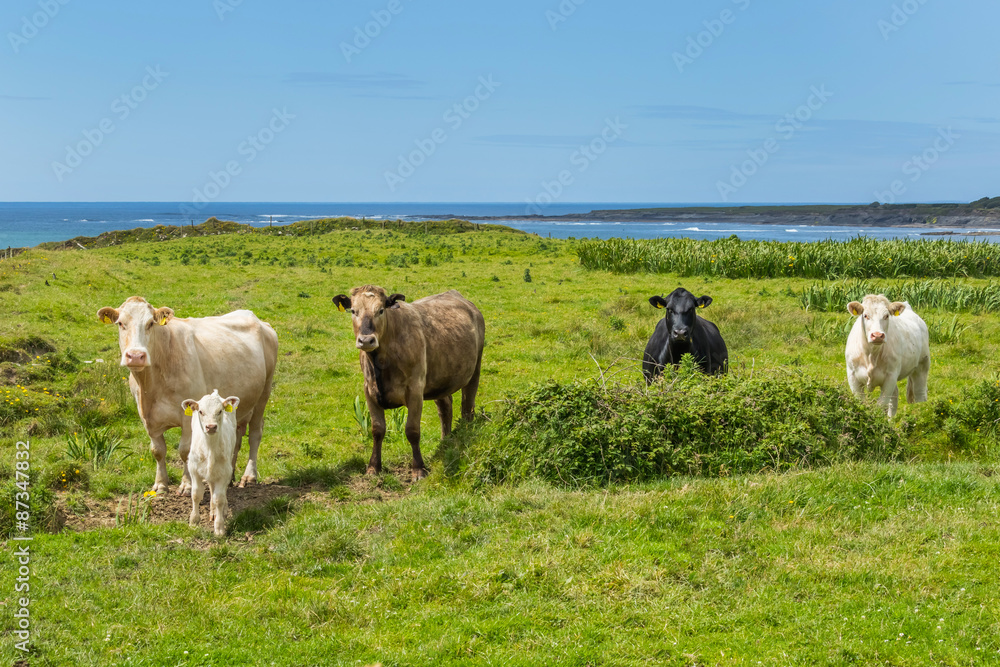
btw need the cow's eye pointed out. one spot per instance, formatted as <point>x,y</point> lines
<point>149,324</point>
<point>381,310</point>
<point>866,317</point>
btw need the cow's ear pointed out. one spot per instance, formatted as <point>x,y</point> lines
<point>897,307</point>
<point>391,301</point>
<point>108,315</point>
<point>704,301</point>
<point>163,315</point>
<point>230,403</point>
<point>342,302</point>
<point>657,302</point>
<point>190,405</point>
<point>855,308</point>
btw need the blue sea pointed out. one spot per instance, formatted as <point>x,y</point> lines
<point>29,223</point>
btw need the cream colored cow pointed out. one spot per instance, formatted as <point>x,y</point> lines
<point>173,358</point>
<point>888,343</point>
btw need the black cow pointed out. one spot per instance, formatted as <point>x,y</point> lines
<point>681,331</point>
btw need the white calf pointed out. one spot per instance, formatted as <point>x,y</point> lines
<point>888,343</point>
<point>213,453</point>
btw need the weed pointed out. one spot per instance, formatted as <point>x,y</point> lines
<point>96,446</point>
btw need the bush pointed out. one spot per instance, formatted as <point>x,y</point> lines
<point>975,416</point>
<point>860,257</point>
<point>583,433</point>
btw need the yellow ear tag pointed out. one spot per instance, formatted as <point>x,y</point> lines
<point>188,412</point>
<point>340,307</point>
<point>106,319</point>
<point>229,408</point>
<point>701,305</point>
<point>163,322</point>
<point>659,306</point>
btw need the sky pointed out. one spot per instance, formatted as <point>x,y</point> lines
<point>535,101</point>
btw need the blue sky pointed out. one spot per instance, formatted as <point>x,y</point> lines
<point>556,101</point>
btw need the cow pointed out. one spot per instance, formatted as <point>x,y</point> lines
<point>889,342</point>
<point>411,353</point>
<point>212,458</point>
<point>171,358</point>
<point>680,332</point>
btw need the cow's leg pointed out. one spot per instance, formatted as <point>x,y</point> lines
<point>184,448</point>
<point>220,506</point>
<point>916,385</point>
<point>197,492</point>
<point>414,407</point>
<point>889,398</point>
<point>256,430</point>
<point>241,430</point>
<point>378,434</point>
<point>857,383</point>
<point>469,392</point>
<point>158,446</point>
<point>444,412</point>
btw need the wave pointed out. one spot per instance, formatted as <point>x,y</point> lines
<point>145,220</point>
<point>794,231</point>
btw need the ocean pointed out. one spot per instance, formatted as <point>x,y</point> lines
<point>30,223</point>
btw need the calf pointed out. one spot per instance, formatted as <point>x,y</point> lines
<point>212,458</point>
<point>888,343</point>
<point>681,332</point>
<point>411,353</point>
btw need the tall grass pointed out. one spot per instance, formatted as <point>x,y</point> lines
<point>939,294</point>
<point>734,258</point>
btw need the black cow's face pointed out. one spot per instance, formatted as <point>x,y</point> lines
<point>680,306</point>
<point>368,306</point>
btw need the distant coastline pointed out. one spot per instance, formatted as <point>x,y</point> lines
<point>937,219</point>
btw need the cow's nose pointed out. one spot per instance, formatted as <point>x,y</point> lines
<point>135,358</point>
<point>211,428</point>
<point>680,333</point>
<point>877,335</point>
<point>367,343</point>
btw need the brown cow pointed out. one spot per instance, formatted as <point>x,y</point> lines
<point>411,353</point>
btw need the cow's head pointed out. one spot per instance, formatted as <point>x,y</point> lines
<point>210,409</point>
<point>681,306</point>
<point>137,323</point>
<point>874,311</point>
<point>368,306</point>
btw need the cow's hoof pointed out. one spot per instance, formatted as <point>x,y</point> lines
<point>247,480</point>
<point>418,474</point>
<point>372,470</point>
<point>184,489</point>
<point>160,489</point>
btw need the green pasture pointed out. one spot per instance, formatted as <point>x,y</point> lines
<point>888,561</point>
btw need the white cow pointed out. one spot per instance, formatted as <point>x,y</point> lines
<point>172,358</point>
<point>212,458</point>
<point>888,343</point>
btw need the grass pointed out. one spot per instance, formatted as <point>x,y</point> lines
<point>934,294</point>
<point>814,566</point>
<point>861,257</point>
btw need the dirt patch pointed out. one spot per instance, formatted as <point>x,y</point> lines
<point>169,507</point>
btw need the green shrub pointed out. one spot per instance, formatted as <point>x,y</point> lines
<point>945,295</point>
<point>975,416</point>
<point>583,433</point>
<point>732,257</point>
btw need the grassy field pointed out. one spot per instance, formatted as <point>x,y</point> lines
<point>855,563</point>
